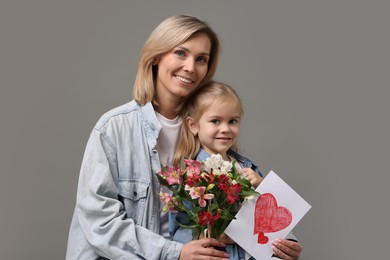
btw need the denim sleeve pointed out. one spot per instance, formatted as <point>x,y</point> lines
<point>102,217</point>
<point>178,233</point>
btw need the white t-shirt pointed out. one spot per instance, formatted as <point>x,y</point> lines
<point>166,146</point>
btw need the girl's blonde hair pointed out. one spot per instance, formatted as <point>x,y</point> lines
<point>213,91</point>
<point>170,33</point>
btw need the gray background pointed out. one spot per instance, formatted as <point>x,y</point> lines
<point>313,76</point>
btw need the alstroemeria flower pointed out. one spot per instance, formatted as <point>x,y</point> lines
<point>193,179</point>
<point>223,182</point>
<point>171,175</point>
<point>193,167</point>
<point>198,192</point>
<point>206,218</point>
<point>231,193</point>
<point>216,164</point>
<point>192,171</point>
<point>223,186</point>
<point>204,191</point>
<point>210,177</point>
<point>168,201</point>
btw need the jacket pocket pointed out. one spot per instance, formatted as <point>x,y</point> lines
<point>133,194</point>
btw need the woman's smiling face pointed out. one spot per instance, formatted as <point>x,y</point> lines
<point>182,69</point>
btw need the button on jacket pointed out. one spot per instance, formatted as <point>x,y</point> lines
<point>117,213</point>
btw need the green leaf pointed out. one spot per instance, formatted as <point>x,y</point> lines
<point>226,215</point>
<point>196,232</point>
<point>188,226</point>
<point>162,180</point>
<point>249,193</point>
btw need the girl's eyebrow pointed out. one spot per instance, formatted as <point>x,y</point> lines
<point>218,117</point>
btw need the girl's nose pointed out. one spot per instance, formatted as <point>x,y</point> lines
<point>224,128</point>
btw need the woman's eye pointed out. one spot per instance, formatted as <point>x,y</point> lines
<point>202,59</point>
<point>180,53</point>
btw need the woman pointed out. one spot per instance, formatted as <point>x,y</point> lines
<point>117,214</point>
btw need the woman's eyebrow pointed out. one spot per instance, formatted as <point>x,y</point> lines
<point>187,50</point>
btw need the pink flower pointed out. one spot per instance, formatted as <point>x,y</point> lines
<point>168,201</point>
<point>198,192</point>
<point>171,175</point>
<point>211,188</point>
<point>194,163</point>
<point>192,171</point>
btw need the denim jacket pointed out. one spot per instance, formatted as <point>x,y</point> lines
<point>117,213</point>
<point>184,235</point>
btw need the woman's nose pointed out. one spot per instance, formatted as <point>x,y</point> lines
<point>189,65</point>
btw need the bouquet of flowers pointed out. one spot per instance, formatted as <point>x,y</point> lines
<point>209,193</point>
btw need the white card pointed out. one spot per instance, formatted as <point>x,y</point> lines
<point>267,217</point>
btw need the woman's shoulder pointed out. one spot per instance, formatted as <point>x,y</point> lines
<point>128,116</point>
<point>117,113</point>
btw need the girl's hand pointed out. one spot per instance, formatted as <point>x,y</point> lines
<point>203,249</point>
<point>251,176</point>
<point>286,249</point>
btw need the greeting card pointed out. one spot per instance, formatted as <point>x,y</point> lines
<point>264,218</point>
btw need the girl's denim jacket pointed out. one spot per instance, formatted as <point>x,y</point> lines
<point>117,213</point>
<point>184,235</point>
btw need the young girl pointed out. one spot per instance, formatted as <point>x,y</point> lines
<point>211,126</point>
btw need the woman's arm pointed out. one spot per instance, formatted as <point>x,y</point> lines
<point>102,216</point>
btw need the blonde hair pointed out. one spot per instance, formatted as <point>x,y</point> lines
<point>170,33</point>
<point>213,91</point>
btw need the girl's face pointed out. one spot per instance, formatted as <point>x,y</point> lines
<point>182,69</point>
<point>219,126</point>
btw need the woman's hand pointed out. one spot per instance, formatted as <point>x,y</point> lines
<point>203,249</point>
<point>226,239</point>
<point>286,249</point>
<point>223,238</point>
<point>251,176</point>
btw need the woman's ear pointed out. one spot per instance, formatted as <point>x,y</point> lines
<point>155,60</point>
<point>192,125</point>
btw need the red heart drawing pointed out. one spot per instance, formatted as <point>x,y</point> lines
<point>269,217</point>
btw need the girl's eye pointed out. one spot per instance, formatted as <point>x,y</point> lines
<point>215,121</point>
<point>233,121</point>
<point>202,59</point>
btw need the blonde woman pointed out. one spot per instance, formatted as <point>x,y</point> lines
<point>117,213</point>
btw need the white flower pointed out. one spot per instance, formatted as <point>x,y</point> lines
<point>217,165</point>
<point>250,197</point>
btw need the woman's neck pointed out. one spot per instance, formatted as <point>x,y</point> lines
<point>166,112</point>
<point>168,109</point>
